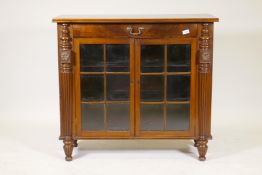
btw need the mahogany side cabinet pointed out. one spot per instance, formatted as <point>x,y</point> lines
<point>135,77</point>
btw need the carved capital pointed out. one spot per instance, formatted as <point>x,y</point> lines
<point>204,53</point>
<point>65,47</point>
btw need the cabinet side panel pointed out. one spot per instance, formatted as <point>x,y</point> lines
<point>208,120</point>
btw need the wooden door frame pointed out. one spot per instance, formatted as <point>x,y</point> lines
<point>166,134</point>
<point>77,125</point>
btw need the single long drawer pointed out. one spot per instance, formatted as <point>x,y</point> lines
<point>135,30</point>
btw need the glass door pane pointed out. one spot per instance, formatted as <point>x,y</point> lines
<point>177,116</point>
<point>152,58</point>
<point>118,87</point>
<point>105,87</point>
<point>91,58</point>
<point>152,88</point>
<point>117,59</point>
<point>165,75</point>
<point>178,57</point>
<point>89,93</point>
<point>152,117</point>
<point>118,117</point>
<point>178,88</point>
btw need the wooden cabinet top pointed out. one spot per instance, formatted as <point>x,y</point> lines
<point>170,18</point>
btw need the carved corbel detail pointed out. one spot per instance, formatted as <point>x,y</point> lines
<point>65,46</point>
<point>204,55</point>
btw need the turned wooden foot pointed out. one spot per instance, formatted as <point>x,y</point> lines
<point>202,148</point>
<point>68,148</point>
<point>75,143</point>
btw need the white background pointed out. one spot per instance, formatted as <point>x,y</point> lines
<point>29,106</point>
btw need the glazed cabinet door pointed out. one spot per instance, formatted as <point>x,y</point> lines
<point>104,80</point>
<point>165,87</point>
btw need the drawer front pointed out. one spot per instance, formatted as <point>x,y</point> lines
<point>135,30</point>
